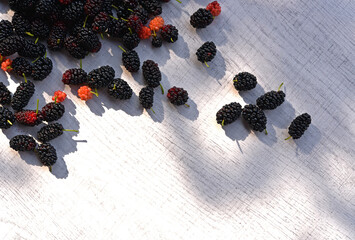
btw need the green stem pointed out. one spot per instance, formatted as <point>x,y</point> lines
<point>36,40</point>
<point>113,17</point>
<point>29,34</point>
<point>86,19</point>
<point>152,110</point>
<point>55,99</point>
<point>37,106</point>
<point>114,86</point>
<point>187,105</point>
<point>121,48</point>
<point>9,122</point>
<point>35,60</point>
<point>222,123</point>
<point>280,87</point>
<point>172,40</point>
<point>102,36</point>
<point>178,1</point>
<point>266,133</point>
<point>45,55</point>
<point>81,63</point>
<point>95,93</point>
<point>162,89</point>
<point>58,41</point>
<point>24,76</point>
<point>288,138</point>
<point>130,30</point>
<point>50,168</point>
<point>70,130</point>
<point>115,7</point>
<point>207,64</point>
<point>124,19</point>
<point>130,10</point>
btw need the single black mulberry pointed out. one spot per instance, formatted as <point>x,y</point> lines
<point>6,29</point>
<point>50,132</point>
<point>22,96</point>
<point>44,7</point>
<point>153,7</point>
<point>119,89</point>
<point>271,100</point>
<point>228,113</point>
<point>73,12</point>
<point>21,66</point>
<point>101,77</point>
<point>22,143</point>
<point>42,68</point>
<point>146,97</point>
<point>131,40</point>
<point>201,18</point>
<point>32,50</point>
<point>11,45</point>
<point>151,73</point>
<point>74,49</point>
<point>56,38</point>
<point>157,42</point>
<point>206,52</point>
<point>255,117</point>
<point>169,33</point>
<point>7,118</point>
<point>47,154</point>
<point>52,111</point>
<point>5,94</point>
<point>101,23</point>
<point>88,40</point>
<point>131,60</point>
<point>299,125</point>
<point>117,28</point>
<point>93,7</point>
<point>244,81</point>
<point>178,96</point>
<point>21,24</point>
<point>40,29</point>
<point>74,76</point>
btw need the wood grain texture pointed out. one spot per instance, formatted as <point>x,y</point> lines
<point>130,174</point>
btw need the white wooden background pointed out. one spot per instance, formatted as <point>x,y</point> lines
<point>130,174</point>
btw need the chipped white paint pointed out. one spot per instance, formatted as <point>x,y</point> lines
<point>130,174</point>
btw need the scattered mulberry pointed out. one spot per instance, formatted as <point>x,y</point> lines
<point>157,42</point>
<point>177,96</point>
<point>40,28</point>
<point>146,97</point>
<point>101,23</point>
<point>214,8</point>
<point>44,7</point>
<point>153,7</point>
<point>47,154</point>
<point>74,49</point>
<point>22,5</point>
<point>32,50</point>
<point>5,94</point>
<point>151,73</point>
<point>29,117</point>
<point>21,24</point>
<point>169,33</point>
<point>142,14</point>
<point>6,29</point>
<point>50,132</point>
<point>7,118</point>
<point>41,68</point>
<point>56,38</point>
<point>73,12</point>
<point>85,93</point>
<point>88,40</point>
<point>11,45</point>
<point>201,18</point>
<point>117,28</point>
<point>271,100</point>
<point>101,77</point>
<point>255,117</point>
<point>52,111</point>
<point>74,76</point>
<point>131,60</point>
<point>131,40</point>
<point>244,81</point>
<point>65,2</point>
<point>206,52</point>
<point>22,96</point>
<point>228,113</point>
<point>119,89</point>
<point>299,125</point>
<point>22,66</point>
<point>22,143</point>
<point>93,7</point>
<point>135,23</point>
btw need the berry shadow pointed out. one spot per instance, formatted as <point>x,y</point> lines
<point>285,110</point>
<point>250,96</point>
<point>180,48</point>
<point>217,68</point>
<point>129,106</point>
<point>237,131</point>
<point>308,141</point>
<point>158,107</point>
<point>159,55</point>
<point>190,113</point>
<point>268,139</point>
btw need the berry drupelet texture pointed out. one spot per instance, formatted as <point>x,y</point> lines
<point>85,93</point>
<point>50,132</point>
<point>22,95</point>
<point>101,22</point>
<point>56,38</point>
<point>157,42</point>
<point>74,49</point>
<point>6,29</point>
<point>169,33</point>
<point>88,40</point>
<point>299,125</point>
<point>119,89</point>
<point>206,52</point>
<point>214,8</point>
<point>101,77</point>
<point>7,118</point>
<point>41,68</point>
<point>255,117</point>
<point>93,7</point>
<point>177,96</point>
<point>153,7</point>
<point>74,76</point>
<point>131,61</point>
<point>11,45</point>
<point>52,111</point>
<point>146,97</point>
<point>117,28</point>
<point>228,113</point>
<point>5,94</point>
<point>22,66</point>
<point>40,29</point>
<point>46,154</point>
<point>131,40</point>
<point>32,50</point>
<point>73,12</point>
<point>21,24</point>
<point>29,117</point>
<point>270,100</point>
<point>22,143</point>
<point>151,73</point>
<point>244,81</point>
<point>201,18</point>
<point>44,7</point>
<point>134,23</point>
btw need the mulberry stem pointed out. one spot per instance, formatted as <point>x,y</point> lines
<point>222,123</point>
<point>70,130</point>
<point>130,30</point>
<point>81,63</point>
<point>35,60</point>
<point>130,10</point>
<point>102,36</point>
<point>162,89</point>
<point>58,41</point>
<point>152,110</point>
<point>50,168</point>
<point>124,19</point>
<point>114,86</point>
<point>24,76</point>
<point>86,19</point>
<point>187,105</point>
<point>113,17</point>
<point>114,7</point>
<point>207,64</point>
<point>178,1</point>
<point>172,40</point>
<point>95,93</point>
<point>121,48</point>
<point>266,133</point>
<point>29,34</point>
<point>280,87</point>
<point>9,122</point>
<point>55,99</point>
<point>36,40</point>
<point>37,107</point>
<point>288,138</point>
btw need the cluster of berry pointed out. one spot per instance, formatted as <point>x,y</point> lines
<point>254,114</point>
<point>51,112</point>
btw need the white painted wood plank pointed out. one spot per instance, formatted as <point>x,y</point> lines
<point>130,174</point>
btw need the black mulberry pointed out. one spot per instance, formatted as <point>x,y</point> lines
<point>6,29</point>
<point>255,117</point>
<point>206,52</point>
<point>52,111</point>
<point>146,97</point>
<point>271,100</point>
<point>74,76</point>
<point>56,38</point>
<point>22,96</point>
<point>41,68</point>
<point>21,66</point>
<point>299,125</point>
<point>50,132</point>
<point>101,77</point>
<point>244,81</point>
<point>32,50</point>
<point>151,73</point>
<point>169,33</point>
<point>47,154</point>
<point>201,18</point>
<point>131,60</point>
<point>119,89</point>
<point>131,40</point>
<point>228,113</point>
<point>22,143</point>
<point>74,49</point>
<point>5,94</point>
<point>11,45</point>
<point>7,118</point>
<point>88,40</point>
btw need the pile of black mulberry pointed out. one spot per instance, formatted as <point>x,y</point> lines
<point>254,114</point>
